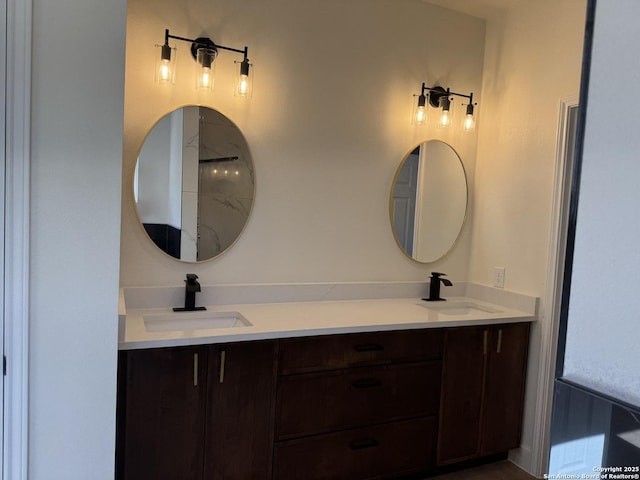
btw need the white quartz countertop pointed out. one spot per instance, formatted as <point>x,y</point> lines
<point>297,319</point>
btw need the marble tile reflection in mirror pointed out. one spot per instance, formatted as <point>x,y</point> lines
<point>428,201</point>
<point>194,184</point>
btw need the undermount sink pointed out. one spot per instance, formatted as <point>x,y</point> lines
<point>465,308</point>
<point>203,320</point>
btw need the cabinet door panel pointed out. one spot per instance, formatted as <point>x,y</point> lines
<point>239,435</point>
<point>461,400</point>
<point>315,403</point>
<point>504,388</point>
<point>163,407</point>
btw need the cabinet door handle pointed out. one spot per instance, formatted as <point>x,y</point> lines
<point>499,347</point>
<point>367,383</point>
<point>195,369</point>
<point>485,341</point>
<point>373,347</point>
<point>361,444</point>
<point>223,356</point>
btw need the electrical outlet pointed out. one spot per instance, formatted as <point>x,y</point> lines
<point>498,277</point>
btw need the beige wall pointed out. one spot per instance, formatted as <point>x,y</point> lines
<point>328,124</point>
<point>533,60</point>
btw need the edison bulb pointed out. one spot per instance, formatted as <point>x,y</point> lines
<point>469,123</point>
<point>165,70</point>
<point>445,118</point>
<point>243,85</point>
<point>206,77</point>
<point>421,115</point>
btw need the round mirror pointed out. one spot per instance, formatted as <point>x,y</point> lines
<point>194,184</point>
<point>428,201</point>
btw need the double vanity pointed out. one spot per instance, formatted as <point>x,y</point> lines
<point>307,381</point>
<point>327,387</point>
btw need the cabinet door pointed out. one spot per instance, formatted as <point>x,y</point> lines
<point>461,400</point>
<point>504,388</point>
<point>161,413</point>
<point>240,410</point>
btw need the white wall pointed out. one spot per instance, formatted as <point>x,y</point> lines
<point>533,59</point>
<point>76,144</point>
<point>328,124</point>
<point>603,334</point>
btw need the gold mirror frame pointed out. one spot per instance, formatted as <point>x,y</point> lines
<point>201,216</point>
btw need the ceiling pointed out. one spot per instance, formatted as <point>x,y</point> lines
<point>477,8</point>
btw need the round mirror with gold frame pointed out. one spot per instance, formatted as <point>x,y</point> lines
<point>194,184</point>
<point>428,201</point>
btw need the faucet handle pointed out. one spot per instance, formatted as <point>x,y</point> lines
<point>438,274</point>
<point>191,279</point>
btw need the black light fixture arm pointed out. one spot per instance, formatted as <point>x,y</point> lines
<point>204,42</point>
<point>437,92</point>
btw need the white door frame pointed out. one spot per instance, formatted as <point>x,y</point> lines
<point>3,143</point>
<point>553,291</point>
<point>16,155</point>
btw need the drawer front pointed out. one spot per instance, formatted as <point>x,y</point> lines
<point>330,352</point>
<point>321,402</point>
<point>364,453</point>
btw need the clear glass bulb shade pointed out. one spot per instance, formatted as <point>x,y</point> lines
<point>244,80</point>
<point>242,87</point>
<point>419,114</point>
<point>205,68</point>
<point>446,115</point>
<point>469,123</point>
<point>165,65</point>
<point>445,119</point>
<point>469,120</point>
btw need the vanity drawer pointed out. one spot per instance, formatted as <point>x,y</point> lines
<point>331,352</point>
<point>380,451</point>
<point>322,402</point>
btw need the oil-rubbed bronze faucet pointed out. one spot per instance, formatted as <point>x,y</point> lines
<point>434,287</point>
<point>191,287</point>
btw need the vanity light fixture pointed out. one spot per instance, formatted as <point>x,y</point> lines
<point>204,51</point>
<point>440,97</point>
<point>226,169</point>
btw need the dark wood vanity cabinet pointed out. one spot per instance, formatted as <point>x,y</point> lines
<point>196,412</point>
<point>357,406</point>
<point>353,406</point>
<point>482,391</point>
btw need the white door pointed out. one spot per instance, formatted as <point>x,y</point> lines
<point>404,202</point>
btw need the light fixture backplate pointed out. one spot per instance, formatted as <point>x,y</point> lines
<point>202,42</point>
<point>435,94</point>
